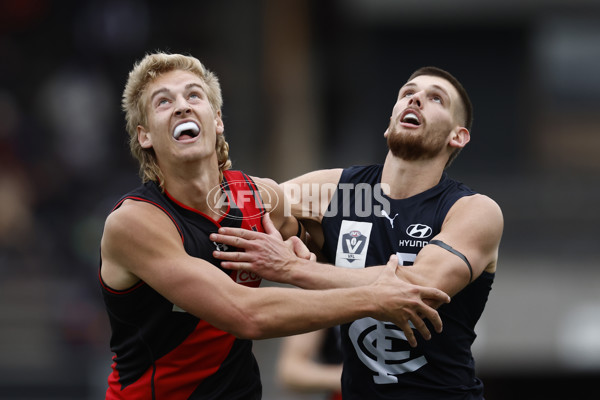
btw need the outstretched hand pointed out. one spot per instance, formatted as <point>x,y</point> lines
<point>265,254</point>
<point>268,255</point>
<point>403,304</point>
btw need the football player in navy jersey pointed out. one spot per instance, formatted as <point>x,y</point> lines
<point>443,233</point>
<point>181,324</point>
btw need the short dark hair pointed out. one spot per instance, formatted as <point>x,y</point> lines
<point>464,96</point>
<point>435,71</point>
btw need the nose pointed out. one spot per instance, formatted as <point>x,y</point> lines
<point>416,99</point>
<point>182,107</point>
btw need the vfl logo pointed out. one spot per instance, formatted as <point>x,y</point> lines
<point>352,243</point>
<point>419,231</point>
<point>385,214</point>
<point>375,343</point>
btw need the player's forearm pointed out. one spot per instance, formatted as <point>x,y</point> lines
<point>312,275</point>
<point>274,312</point>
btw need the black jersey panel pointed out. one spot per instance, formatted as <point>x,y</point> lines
<point>362,228</point>
<point>161,351</point>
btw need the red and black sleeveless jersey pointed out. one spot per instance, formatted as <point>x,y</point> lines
<point>163,352</point>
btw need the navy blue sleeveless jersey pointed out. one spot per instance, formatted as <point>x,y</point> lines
<point>163,352</point>
<point>363,227</point>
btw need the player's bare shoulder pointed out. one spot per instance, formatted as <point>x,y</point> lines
<point>132,235</point>
<point>476,215</point>
<point>480,205</point>
<point>476,222</point>
<point>131,220</point>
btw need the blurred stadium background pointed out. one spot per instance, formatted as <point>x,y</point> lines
<point>307,84</point>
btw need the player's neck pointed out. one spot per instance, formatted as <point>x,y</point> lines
<point>191,185</point>
<point>409,178</point>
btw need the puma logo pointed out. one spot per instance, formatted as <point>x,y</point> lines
<point>385,214</point>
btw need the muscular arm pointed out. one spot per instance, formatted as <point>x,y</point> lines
<point>309,196</point>
<point>283,220</point>
<point>141,242</point>
<point>473,227</point>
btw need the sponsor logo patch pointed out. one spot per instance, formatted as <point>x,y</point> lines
<point>246,278</point>
<point>419,231</point>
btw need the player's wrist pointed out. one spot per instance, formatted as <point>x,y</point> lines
<point>299,273</point>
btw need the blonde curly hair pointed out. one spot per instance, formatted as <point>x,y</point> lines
<point>134,104</point>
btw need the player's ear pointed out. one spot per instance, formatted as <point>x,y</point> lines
<point>385,134</point>
<point>219,123</point>
<point>144,137</point>
<point>460,136</point>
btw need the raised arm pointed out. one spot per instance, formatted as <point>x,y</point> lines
<point>267,255</point>
<point>308,197</point>
<point>141,242</point>
<point>283,220</point>
<point>473,227</point>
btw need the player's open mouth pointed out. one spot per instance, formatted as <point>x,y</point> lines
<point>187,130</point>
<point>411,118</point>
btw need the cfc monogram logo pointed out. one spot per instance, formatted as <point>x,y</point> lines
<point>375,343</point>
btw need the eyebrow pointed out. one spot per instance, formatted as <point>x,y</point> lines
<point>157,92</point>
<point>438,87</point>
<point>165,90</point>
